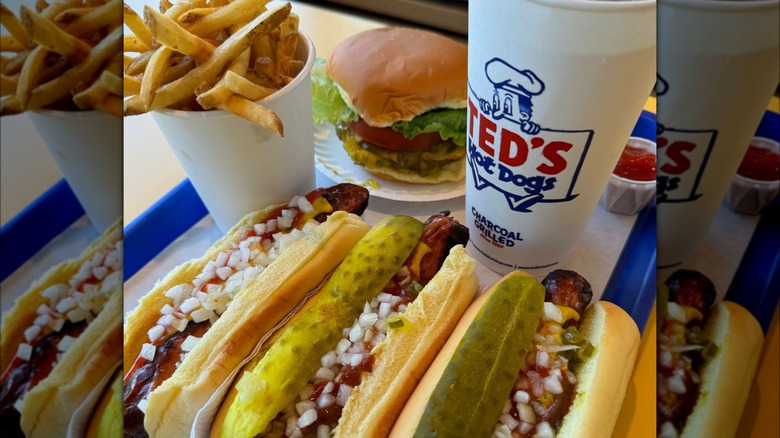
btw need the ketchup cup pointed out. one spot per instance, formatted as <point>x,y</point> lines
<point>632,184</point>
<point>757,181</point>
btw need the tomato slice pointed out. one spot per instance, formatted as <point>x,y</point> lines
<point>389,139</point>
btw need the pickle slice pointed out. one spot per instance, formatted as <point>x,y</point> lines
<point>469,397</point>
<point>288,365</point>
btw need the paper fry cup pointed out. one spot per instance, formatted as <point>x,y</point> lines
<point>237,166</point>
<point>87,147</point>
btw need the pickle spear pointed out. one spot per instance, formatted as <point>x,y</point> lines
<point>471,393</point>
<point>287,366</point>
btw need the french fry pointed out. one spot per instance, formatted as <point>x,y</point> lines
<point>239,11</point>
<point>170,34</point>
<point>10,44</point>
<point>195,14</point>
<point>154,74</point>
<point>165,5</point>
<point>255,113</point>
<point>7,85</point>
<point>47,34</point>
<point>133,44</point>
<point>212,97</point>
<point>15,64</point>
<point>90,96</point>
<point>138,64</point>
<point>243,86</point>
<point>71,14</point>
<point>31,74</point>
<point>183,6</point>
<point>3,61</point>
<point>131,86</point>
<point>111,82</point>
<point>178,70</point>
<point>111,105</point>
<point>134,106</point>
<point>14,27</point>
<point>137,25</point>
<point>40,5</point>
<point>58,88</point>
<point>99,17</point>
<point>223,55</point>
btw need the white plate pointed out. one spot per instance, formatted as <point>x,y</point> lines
<point>333,161</point>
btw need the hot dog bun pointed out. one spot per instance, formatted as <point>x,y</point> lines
<point>398,361</point>
<point>404,356</point>
<point>726,378</point>
<point>22,315</point>
<point>48,406</point>
<point>253,313</point>
<point>602,380</point>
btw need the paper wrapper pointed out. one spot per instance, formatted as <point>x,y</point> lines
<point>82,416</point>
<point>87,147</point>
<point>201,427</point>
<point>238,167</point>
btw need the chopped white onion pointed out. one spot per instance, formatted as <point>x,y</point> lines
<point>189,343</point>
<point>552,384</point>
<point>189,305</point>
<point>24,351</point>
<point>306,392</point>
<point>325,374</point>
<point>66,304</point>
<point>155,332</point>
<point>509,421</point>
<point>325,400</point>
<point>147,352</point>
<point>65,343</point>
<point>323,430</point>
<point>343,394</point>
<point>544,430</point>
<point>522,397</point>
<point>307,418</point>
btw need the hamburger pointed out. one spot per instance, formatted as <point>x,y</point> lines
<point>398,100</point>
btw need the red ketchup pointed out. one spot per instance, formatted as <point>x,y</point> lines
<point>636,164</point>
<point>760,164</point>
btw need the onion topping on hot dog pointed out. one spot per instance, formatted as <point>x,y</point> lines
<point>317,410</point>
<point>544,389</point>
<point>194,306</point>
<point>682,349</point>
<point>71,306</point>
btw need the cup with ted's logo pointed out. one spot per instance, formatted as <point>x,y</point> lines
<point>717,70</point>
<point>555,88</point>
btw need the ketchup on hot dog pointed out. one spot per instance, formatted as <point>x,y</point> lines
<point>635,163</point>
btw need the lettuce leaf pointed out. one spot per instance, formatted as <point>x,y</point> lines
<point>327,103</point>
<point>328,106</point>
<point>449,123</point>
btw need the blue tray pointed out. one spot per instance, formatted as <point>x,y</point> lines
<point>35,226</point>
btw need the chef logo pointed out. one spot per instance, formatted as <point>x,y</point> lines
<point>682,156</point>
<point>509,152</point>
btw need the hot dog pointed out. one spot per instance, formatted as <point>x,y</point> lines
<point>60,338</point>
<point>527,359</point>
<point>707,357</point>
<point>347,364</point>
<point>183,339</point>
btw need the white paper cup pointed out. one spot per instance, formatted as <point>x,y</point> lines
<point>237,166</point>
<point>750,196</point>
<point>87,147</point>
<point>583,70</point>
<point>718,68</point>
<point>626,196</point>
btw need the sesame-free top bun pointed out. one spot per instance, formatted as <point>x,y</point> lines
<point>395,74</point>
